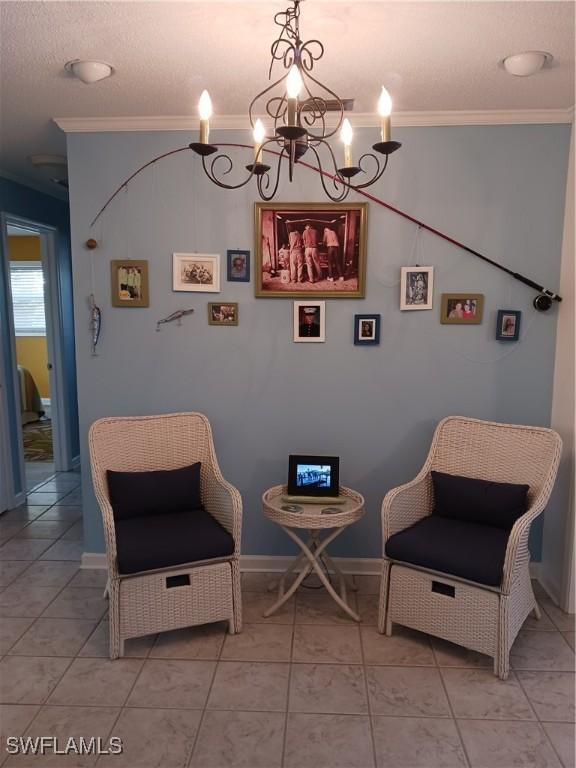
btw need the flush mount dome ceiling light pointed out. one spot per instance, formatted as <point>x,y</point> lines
<point>89,71</point>
<point>526,63</point>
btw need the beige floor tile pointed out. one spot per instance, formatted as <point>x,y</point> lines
<point>563,621</point>
<point>154,738</point>
<point>54,637</point>
<point>44,498</point>
<point>24,601</point>
<point>8,530</point>
<point>563,740</point>
<point>183,684</point>
<point>368,608</point>
<point>328,741</point>
<point>259,642</point>
<point>543,624</point>
<point>260,582</point>
<point>96,682</point>
<point>417,742</point>
<point>479,694</point>
<point>407,691</point>
<point>64,550</point>
<point>254,604</point>
<point>78,603</point>
<point>501,744</point>
<point>240,740</point>
<point>249,686</point>
<point>11,630</point>
<point>451,655</point>
<point>569,637</point>
<point>29,680</point>
<point>551,694</point>
<point>541,651</point>
<point>10,569</point>
<point>62,513</point>
<point>320,608</point>
<point>48,574</point>
<point>25,512</point>
<point>15,718</point>
<point>75,533</point>
<point>63,723</point>
<point>24,549</point>
<point>404,647</point>
<point>90,577</point>
<point>204,642</point>
<point>318,644</point>
<point>44,529</point>
<point>367,584</point>
<point>98,644</point>
<point>328,688</point>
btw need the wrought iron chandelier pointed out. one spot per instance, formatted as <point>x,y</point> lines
<point>298,111</point>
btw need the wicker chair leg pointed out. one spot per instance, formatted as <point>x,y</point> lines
<point>537,611</point>
<point>116,643</point>
<point>383,601</point>
<point>502,660</point>
<point>236,626</point>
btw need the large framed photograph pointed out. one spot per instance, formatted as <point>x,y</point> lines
<point>196,272</point>
<point>462,308</point>
<point>508,325</point>
<point>311,249</point>
<point>238,266</point>
<point>366,329</point>
<point>310,321</point>
<point>223,313</point>
<point>416,287</point>
<point>130,283</point>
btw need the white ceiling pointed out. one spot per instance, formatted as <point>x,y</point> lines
<point>432,56</point>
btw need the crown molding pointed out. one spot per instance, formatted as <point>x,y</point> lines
<point>360,120</point>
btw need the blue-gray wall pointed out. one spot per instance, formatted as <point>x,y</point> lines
<point>499,189</point>
<point>19,200</point>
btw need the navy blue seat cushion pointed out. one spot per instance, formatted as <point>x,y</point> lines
<point>478,501</point>
<point>134,494</point>
<point>468,550</point>
<point>170,539</point>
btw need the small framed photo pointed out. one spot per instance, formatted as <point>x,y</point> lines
<point>196,272</point>
<point>462,308</point>
<point>223,314</point>
<point>130,283</point>
<point>508,325</point>
<point>416,287</point>
<point>310,321</point>
<point>238,266</point>
<point>366,329</point>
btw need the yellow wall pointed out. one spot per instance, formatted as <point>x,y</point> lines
<point>31,351</point>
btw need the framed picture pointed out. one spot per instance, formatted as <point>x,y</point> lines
<point>310,321</point>
<point>313,475</point>
<point>130,283</point>
<point>366,329</point>
<point>238,266</point>
<point>508,325</point>
<point>196,272</point>
<point>311,249</point>
<point>462,308</point>
<point>416,287</point>
<point>223,314</point>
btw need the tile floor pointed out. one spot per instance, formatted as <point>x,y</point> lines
<point>306,688</point>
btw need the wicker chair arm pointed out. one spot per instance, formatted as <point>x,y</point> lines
<point>517,557</point>
<point>405,505</point>
<point>223,501</point>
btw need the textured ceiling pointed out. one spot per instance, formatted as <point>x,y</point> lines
<point>432,56</point>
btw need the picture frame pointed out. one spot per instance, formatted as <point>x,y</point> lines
<point>129,283</point>
<point>416,287</point>
<point>314,250</point>
<point>508,325</point>
<point>366,330</point>
<point>238,266</point>
<point>309,321</point>
<point>313,475</point>
<point>462,308</point>
<point>223,313</point>
<point>198,272</point>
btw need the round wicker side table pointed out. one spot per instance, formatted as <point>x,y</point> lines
<point>314,518</point>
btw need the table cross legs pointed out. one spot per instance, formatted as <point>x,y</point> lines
<point>312,557</point>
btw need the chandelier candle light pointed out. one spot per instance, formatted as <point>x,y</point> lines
<point>298,111</point>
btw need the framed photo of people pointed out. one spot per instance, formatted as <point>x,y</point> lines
<point>462,308</point>
<point>508,325</point>
<point>315,250</point>
<point>130,283</point>
<point>366,330</point>
<point>310,321</point>
<point>196,272</point>
<point>416,287</point>
<point>238,266</point>
<point>220,313</point>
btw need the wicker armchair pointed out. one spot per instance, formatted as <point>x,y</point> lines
<point>202,592</point>
<point>482,618</point>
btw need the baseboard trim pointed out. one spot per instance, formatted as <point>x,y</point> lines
<point>265,563</point>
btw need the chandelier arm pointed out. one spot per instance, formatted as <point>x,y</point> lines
<point>263,183</point>
<point>338,182</point>
<point>263,93</point>
<point>336,97</point>
<point>379,172</point>
<point>210,172</point>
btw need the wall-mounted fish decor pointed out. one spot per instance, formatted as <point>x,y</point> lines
<point>95,323</point>
<point>174,316</point>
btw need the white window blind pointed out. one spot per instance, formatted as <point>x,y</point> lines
<point>27,280</point>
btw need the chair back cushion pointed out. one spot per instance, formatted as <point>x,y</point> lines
<point>479,501</point>
<point>137,494</point>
